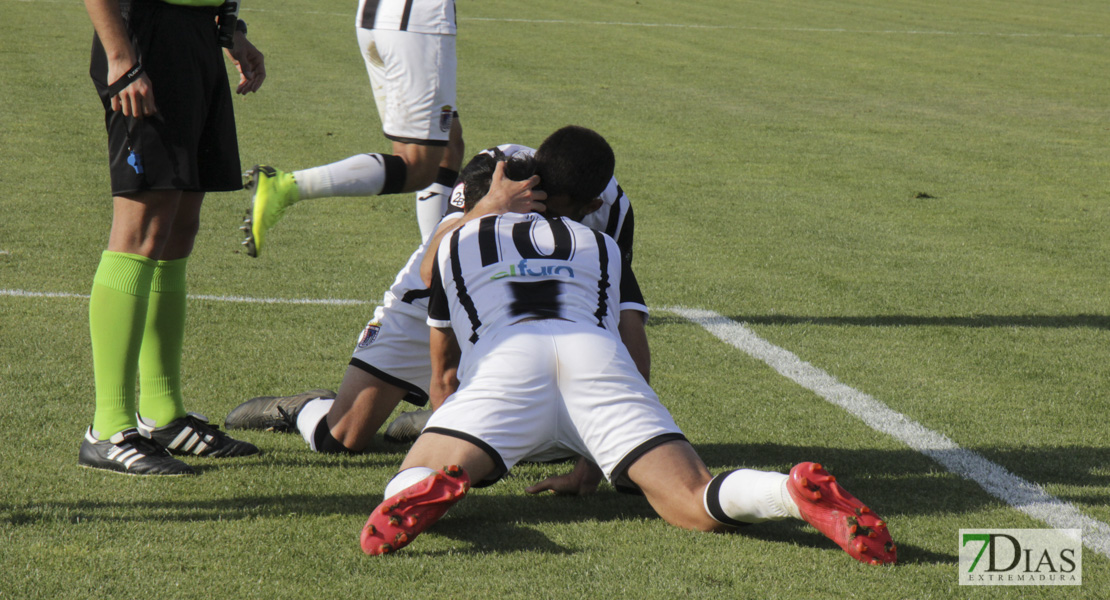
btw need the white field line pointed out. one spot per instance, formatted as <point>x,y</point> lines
<point>1023,495</point>
<point>325,301</point>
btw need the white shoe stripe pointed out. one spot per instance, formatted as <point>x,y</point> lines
<point>201,448</point>
<point>180,439</point>
<point>129,462</point>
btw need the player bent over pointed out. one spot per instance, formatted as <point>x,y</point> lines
<point>523,311</point>
<point>390,362</point>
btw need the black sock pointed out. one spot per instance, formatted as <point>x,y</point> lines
<point>326,442</point>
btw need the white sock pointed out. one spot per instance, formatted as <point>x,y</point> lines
<point>359,175</point>
<point>310,416</point>
<point>431,203</point>
<point>750,496</point>
<point>405,479</point>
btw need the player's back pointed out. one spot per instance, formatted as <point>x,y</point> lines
<point>502,269</point>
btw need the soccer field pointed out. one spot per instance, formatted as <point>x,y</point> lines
<point>873,234</point>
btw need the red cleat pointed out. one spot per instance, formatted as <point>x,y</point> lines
<point>399,519</point>
<point>826,505</point>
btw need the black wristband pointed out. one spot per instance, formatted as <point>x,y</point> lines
<point>241,26</point>
<point>115,88</point>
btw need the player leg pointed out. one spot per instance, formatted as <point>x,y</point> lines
<point>431,201</point>
<point>423,490</point>
<point>413,79</point>
<point>679,488</point>
<point>347,423</point>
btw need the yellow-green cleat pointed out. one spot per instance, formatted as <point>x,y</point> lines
<point>274,191</point>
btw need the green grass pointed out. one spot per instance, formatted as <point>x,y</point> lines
<point>911,196</point>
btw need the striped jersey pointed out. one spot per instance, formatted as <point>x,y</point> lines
<point>501,269</point>
<point>417,16</point>
<point>614,218</point>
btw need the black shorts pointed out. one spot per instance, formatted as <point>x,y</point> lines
<point>190,143</point>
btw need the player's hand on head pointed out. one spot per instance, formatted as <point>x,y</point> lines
<point>506,195</point>
<point>250,63</point>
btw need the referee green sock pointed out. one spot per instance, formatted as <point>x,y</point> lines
<point>160,396</point>
<point>117,311</point>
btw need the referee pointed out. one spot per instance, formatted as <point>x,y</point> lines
<point>159,71</point>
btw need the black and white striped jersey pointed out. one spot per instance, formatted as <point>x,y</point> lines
<point>614,218</point>
<point>417,16</point>
<point>501,269</point>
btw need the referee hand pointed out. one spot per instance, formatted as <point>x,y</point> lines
<point>137,99</point>
<point>250,63</point>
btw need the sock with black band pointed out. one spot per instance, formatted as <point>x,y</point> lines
<point>431,202</point>
<point>325,442</point>
<point>359,175</point>
<point>747,496</point>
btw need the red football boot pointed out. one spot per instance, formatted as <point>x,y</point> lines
<point>399,519</point>
<point>826,505</point>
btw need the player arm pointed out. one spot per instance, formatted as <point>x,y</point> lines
<point>443,347</point>
<point>445,354</point>
<point>136,98</point>
<point>581,481</point>
<point>634,335</point>
<point>633,316</point>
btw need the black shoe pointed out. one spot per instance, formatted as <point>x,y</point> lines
<point>407,427</point>
<point>273,413</point>
<point>131,453</point>
<point>193,435</point>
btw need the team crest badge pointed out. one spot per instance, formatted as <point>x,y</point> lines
<point>369,334</point>
<point>458,197</point>
<point>445,117</point>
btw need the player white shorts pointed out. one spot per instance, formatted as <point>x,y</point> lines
<point>394,348</point>
<point>413,78</point>
<point>549,389</point>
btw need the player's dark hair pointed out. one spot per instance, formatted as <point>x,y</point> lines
<point>575,161</point>
<point>478,173</point>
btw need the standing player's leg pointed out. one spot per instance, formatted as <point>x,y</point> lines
<point>413,79</point>
<point>431,202</point>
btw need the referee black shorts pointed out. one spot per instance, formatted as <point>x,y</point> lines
<point>190,143</point>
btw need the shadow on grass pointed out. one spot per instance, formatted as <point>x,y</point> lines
<point>973,321</point>
<point>503,519</point>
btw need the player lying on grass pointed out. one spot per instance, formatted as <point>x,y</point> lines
<point>390,362</point>
<point>523,315</point>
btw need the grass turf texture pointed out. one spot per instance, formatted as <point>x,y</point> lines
<point>911,196</point>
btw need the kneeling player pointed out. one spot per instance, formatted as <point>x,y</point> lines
<point>523,314</point>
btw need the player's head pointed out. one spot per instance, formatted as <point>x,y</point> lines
<point>478,173</point>
<point>574,164</point>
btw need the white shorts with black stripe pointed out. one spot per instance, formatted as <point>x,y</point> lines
<point>394,348</point>
<point>414,83</point>
<point>548,389</point>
